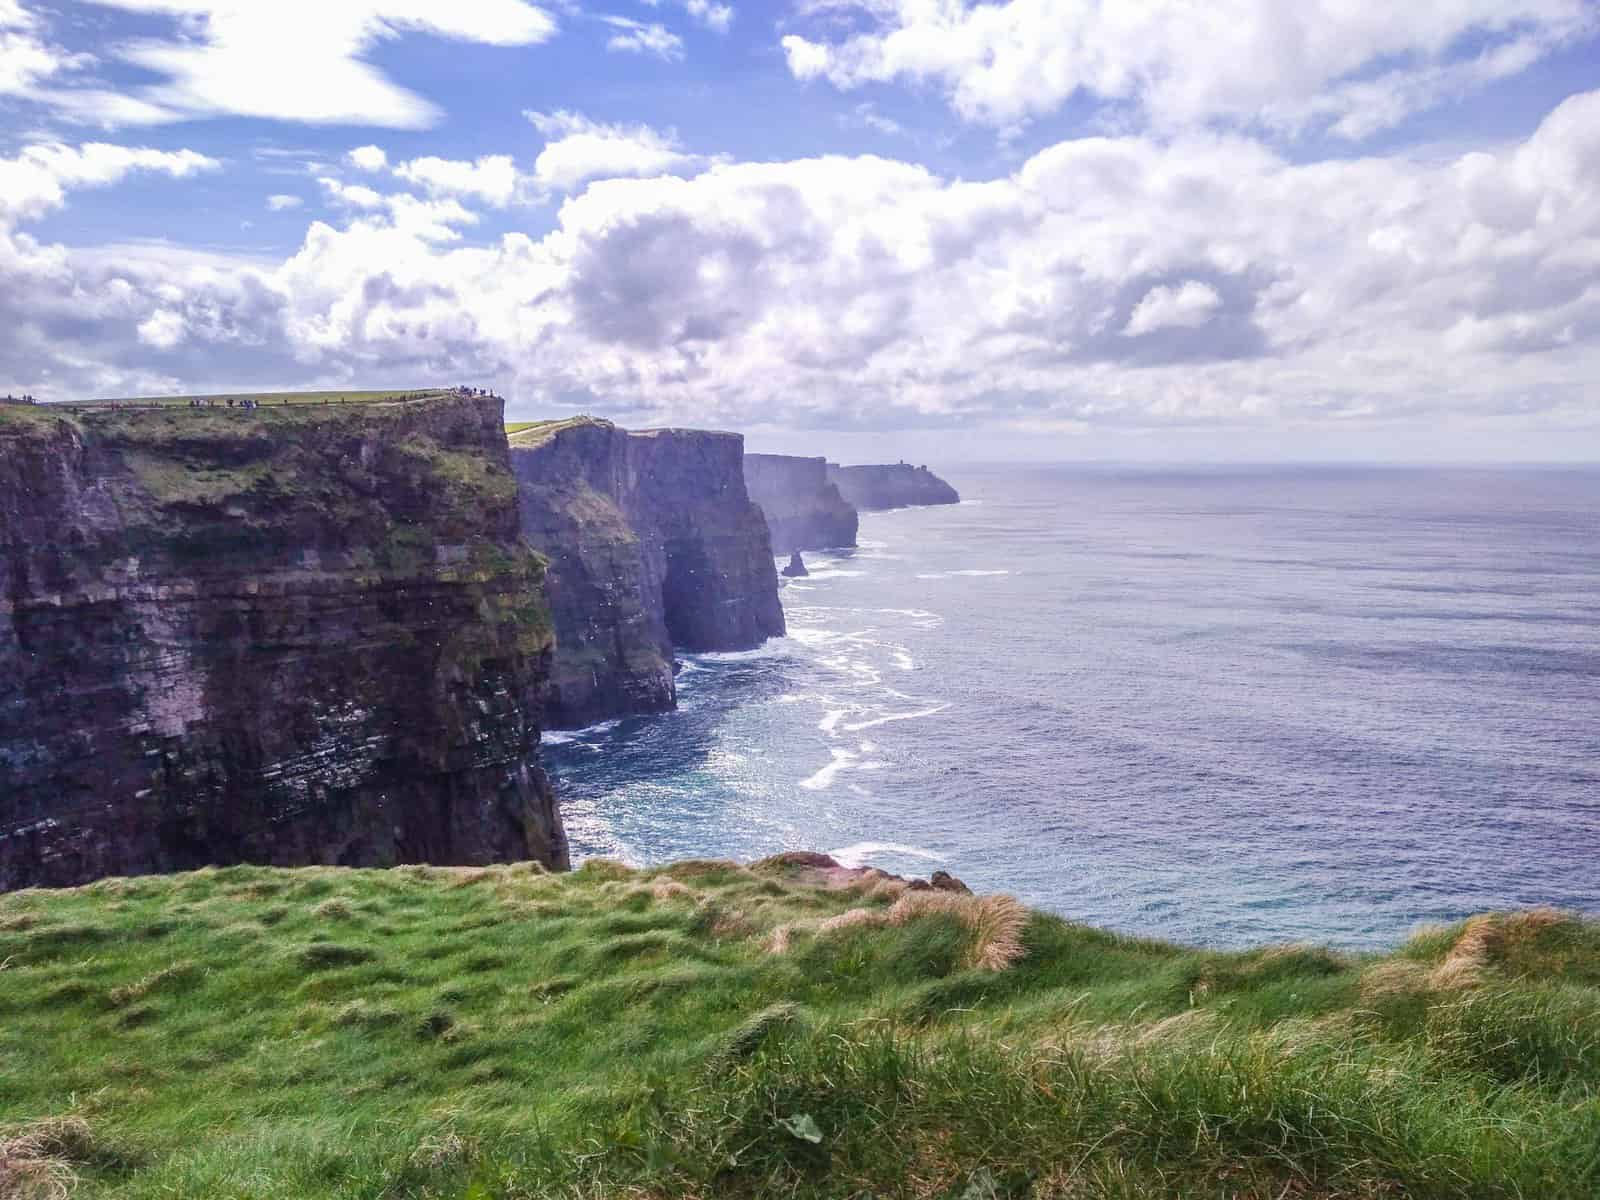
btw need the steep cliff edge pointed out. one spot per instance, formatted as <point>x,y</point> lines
<point>891,485</point>
<point>286,635</point>
<point>653,543</point>
<point>804,510</point>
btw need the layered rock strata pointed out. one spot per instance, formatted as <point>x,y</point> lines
<point>891,485</point>
<point>653,545</point>
<point>287,635</point>
<point>804,510</point>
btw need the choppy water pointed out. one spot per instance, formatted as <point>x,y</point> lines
<point>1220,705</point>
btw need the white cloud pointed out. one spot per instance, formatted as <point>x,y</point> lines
<point>807,60</point>
<point>283,203</point>
<point>290,60</point>
<point>162,329</point>
<point>38,179</point>
<point>368,158</point>
<point>709,13</point>
<point>353,195</point>
<point>1185,307</point>
<point>428,221</point>
<point>636,37</point>
<point>856,293</point>
<point>578,150</point>
<point>492,179</point>
<point>14,16</point>
<point>1288,66</point>
<point>27,58</point>
<point>868,117</point>
<point>713,15</point>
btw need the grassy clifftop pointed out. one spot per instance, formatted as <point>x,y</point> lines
<point>714,1030</point>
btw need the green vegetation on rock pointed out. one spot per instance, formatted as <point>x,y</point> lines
<point>533,433</point>
<point>269,399</point>
<point>708,1029</point>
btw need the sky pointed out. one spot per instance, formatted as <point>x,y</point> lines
<point>932,229</point>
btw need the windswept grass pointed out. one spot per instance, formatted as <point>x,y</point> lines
<point>501,1032</point>
<point>273,399</point>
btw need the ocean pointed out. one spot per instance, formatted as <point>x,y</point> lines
<point>1216,705</point>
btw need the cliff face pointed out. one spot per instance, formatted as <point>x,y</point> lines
<point>892,485</point>
<point>653,544</point>
<point>286,636</point>
<point>804,510</point>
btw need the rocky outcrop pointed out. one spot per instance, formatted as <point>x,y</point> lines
<point>290,635</point>
<point>892,485</point>
<point>653,544</point>
<point>804,510</point>
<point>796,568</point>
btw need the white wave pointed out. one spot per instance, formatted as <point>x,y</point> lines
<point>860,673</point>
<point>910,716</point>
<point>558,737</point>
<point>953,574</point>
<point>833,573</point>
<point>831,719</point>
<point>856,855</point>
<point>980,572</point>
<point>772,649</point>
<point>824,778</point>
<point>904,661</point>
<point>815,637</point>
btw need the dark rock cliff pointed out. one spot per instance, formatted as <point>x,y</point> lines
<point>653,544</point>
<point>291,635</point>
<point>892,485</point>
<point>804,510</point>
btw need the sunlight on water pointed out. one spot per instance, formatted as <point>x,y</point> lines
<point>1210,705</point>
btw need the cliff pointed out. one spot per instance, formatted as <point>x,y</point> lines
<point>892,485</point>
<point>804,510</point>
<point>288,635</point>
<point>653,544</point>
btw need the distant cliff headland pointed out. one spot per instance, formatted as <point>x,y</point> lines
<point>804,509</point>
<point>309,633</point>
<point>654,545</point>
<point>328,627</point>
<point>894,485</point>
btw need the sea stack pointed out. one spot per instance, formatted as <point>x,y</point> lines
<point>797,567</point>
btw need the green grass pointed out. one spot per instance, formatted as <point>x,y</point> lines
<point>273,399</point>
<point>503,1032</point>
<point>533,433</point>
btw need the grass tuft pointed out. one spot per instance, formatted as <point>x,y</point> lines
<point>36,1159</point>
<point>505,1034</point>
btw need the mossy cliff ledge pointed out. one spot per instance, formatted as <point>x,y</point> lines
<point>653,545</point>
<point>804,510</point>
<point>296,635</point>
